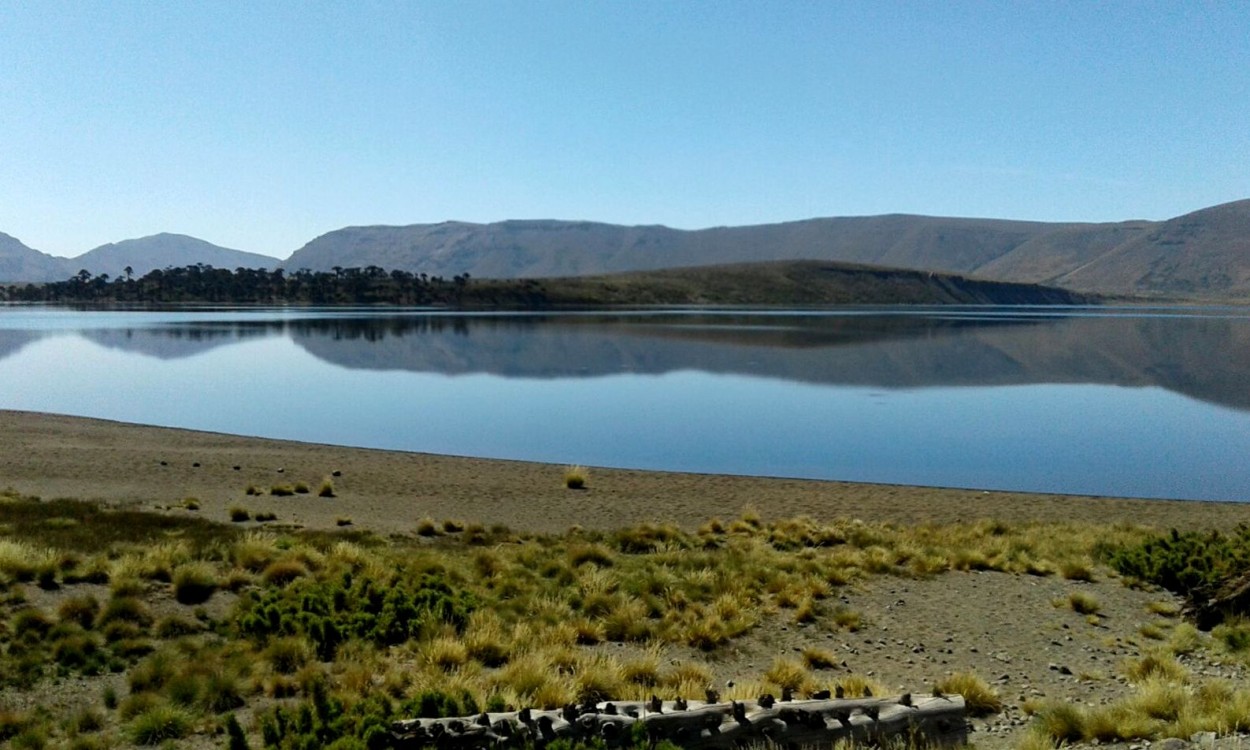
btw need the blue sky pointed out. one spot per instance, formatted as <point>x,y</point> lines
<point>260,125</point>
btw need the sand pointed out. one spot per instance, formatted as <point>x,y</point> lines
<point>387,491</point>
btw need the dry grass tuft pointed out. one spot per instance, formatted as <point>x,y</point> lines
<point>979,698</point>
<point>575,477</point>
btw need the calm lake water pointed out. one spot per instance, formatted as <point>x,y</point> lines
<point>1136,402</point>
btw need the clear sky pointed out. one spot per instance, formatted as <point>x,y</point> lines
<point>260,125</point>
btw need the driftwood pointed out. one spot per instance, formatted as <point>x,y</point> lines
<point>696,725</point>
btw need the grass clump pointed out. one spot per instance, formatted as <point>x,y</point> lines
<point>819,658</point>
<point>81,609</point>
<point>282,490</point>
<point>979,698</point>
<point>239,514</point>
<point>1084,603</point>
<point>159,724</point>
<point>194,583</point>
<point>575,477</point>
<point>302,488</point>
<point>789,674</point>
<point>326,489</point>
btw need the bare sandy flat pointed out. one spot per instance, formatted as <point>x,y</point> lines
<point>388,491</point>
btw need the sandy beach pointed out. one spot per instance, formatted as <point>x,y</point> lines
<point>387,491</point>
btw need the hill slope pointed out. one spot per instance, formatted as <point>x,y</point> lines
<point>163,250</point>
<point>795,283</point>
<point>21,263</point>
<point>533,249</point>
<point>1202,254</point>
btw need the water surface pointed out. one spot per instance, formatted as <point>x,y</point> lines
<point>1136,402</point>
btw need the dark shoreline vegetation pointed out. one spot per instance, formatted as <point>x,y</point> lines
<point>179,627</point>
<point>783,283</point>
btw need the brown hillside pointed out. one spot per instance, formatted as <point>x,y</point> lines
<point>1203,254</point>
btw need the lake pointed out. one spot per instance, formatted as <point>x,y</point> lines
<point>1111,401</point>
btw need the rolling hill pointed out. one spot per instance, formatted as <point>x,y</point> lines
<point>1205,254</point>
<point>163,250</point>
<point>1201,255</point>
<point>21,263</point>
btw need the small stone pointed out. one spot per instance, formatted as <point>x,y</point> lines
<point>1171,743</point>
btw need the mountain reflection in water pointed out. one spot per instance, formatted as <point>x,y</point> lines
<point>1202,356</point>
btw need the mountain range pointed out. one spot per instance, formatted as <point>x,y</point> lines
<point>1201,255</point>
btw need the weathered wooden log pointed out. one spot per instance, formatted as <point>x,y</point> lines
<point>931,720</point>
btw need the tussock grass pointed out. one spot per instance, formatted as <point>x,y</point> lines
<point>979,698</point>
<point>575,477</point>
<point>159,724</point>
<point>326,489</point>
<point>281,572</point>
<point>1084,603</point>
<point>819,658</point>
<point>791,674</point>
<point>81,609</point>
<point>194,582</point>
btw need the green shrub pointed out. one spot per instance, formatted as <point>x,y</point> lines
<point>235,738</point>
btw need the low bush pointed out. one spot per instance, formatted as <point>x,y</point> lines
<point>281,490</point>
<point>239,514</point>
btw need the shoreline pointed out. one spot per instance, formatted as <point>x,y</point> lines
<point>385,491</point>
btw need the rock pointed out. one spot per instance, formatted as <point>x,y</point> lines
<point>1171,743</point>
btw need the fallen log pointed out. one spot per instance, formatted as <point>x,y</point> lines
<point>930,720</point>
